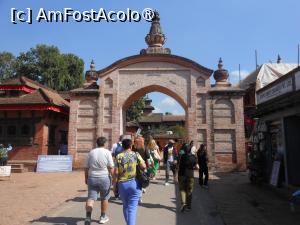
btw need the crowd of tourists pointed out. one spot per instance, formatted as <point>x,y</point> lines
<point>130,165</point>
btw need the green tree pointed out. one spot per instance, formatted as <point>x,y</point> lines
<point>178,131</point>
<point>48,66</point>
<point>135,111</point>
<point>7,65</point>
<point>168,113</point>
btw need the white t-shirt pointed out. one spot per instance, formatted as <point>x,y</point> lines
<point>97,162</point>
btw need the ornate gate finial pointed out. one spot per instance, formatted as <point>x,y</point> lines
<point>221,75</point>
<point>155,39</point>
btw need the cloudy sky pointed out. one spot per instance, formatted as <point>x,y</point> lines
<point>163,103</point>
<point>196,29</point>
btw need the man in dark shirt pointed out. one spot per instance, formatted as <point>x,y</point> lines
<point>187,164</point>
<point>203,167</point>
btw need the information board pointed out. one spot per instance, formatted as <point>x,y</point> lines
<point>5,171</point>
<point>54,163</point>
<point>275,173</point>
<point>281,88</point>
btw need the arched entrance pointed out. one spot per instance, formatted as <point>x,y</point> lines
<point>146,90</point>
<point>214,113</point>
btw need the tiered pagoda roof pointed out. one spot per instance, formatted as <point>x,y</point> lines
<point>36,96</point>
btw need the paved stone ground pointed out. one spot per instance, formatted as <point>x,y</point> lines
<point>230,200</point>
<point>241,203</point>
<point>159,207</point>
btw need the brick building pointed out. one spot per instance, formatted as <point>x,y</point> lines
<point>213,112</point>
<point>155,122</point>
<point>33,118</point>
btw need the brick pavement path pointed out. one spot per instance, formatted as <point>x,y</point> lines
<point>160,207</point>
<point>241,203</point>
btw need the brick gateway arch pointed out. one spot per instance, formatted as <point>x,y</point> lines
<point>214,113</point>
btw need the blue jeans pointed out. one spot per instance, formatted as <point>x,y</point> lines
<point>130,194</point>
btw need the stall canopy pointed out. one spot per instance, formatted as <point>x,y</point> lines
<point>266,73</point>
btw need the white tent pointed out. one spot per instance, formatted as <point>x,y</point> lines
<point>266,74</point>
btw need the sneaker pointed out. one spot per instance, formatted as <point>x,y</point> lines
<point>144,190</point>
<point>167,184</point>
<point>103,219</point>
<point>87,221</point>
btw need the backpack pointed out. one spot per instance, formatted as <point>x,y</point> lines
<point>118,150</point>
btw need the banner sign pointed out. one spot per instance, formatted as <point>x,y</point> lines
<point>54,163</point>
<point>5,171</point>
<point>278,89</point>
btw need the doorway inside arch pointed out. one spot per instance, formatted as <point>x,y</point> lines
<point>157,115</point>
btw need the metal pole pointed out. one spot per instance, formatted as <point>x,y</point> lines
<point>240,74</point>
<point>298,54</point>
<point>256,59</point>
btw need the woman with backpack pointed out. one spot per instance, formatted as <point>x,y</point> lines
<point>187,164</point>
<point>125,176</point>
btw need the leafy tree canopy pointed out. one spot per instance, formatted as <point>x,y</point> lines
<point>179,131</point>
<point>135,111</point>
<point>7,65</point>
<point>48,66</point>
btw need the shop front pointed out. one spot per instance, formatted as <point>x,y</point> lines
<point>277,133</point>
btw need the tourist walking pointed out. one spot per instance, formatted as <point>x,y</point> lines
<point>139,146</point>
<point>154,152</point>
<point>193,148</point>
<point>203,167</point>
<point>182,150</point>
<point>125,176</point>
<point>98,172</point>
<point>4,154</point>
<point>170,160</point>
<point>187,164</point>
<point>116,149</point>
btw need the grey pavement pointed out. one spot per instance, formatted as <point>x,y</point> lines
<point>160,206</point>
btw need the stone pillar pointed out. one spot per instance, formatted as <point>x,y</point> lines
<point>72,127</point>
<point>191,124</point>
<point>210,132</point>
<point>240,134</point>
<point>99,125</point>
